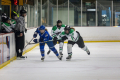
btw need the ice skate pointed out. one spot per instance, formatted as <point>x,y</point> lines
<point>21,58</point>
<point>88,52</point>
<point>42,59</point>
<point>60,57</point>
<point>69,57</point>
<point>61,54</point>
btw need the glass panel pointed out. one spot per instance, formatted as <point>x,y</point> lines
<point>39,12</point>
<point>104,12</point>
<point>36,13</point>
<point>89,13</point>
<point>75,13</point>
<point>116,13</point>
<point>26,8</point>
<point>52,12</point>
<point>49,8</point>
<point>6,9</point>
<point>62,11</point>
<point>32,16</point>
<point>0,15</point>
<point>44,12</point>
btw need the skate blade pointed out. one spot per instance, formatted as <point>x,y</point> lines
<point>88,53</point>
<point>20,59</point>
<point>60,59</point>
<point>48,53</point>
<point>17,58</point>
<point>68,59</point>
<point>42,60</point>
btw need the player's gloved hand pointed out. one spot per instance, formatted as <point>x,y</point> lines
<point>25,30</point>
<point>55,38</point>
<point>35,40</point>
<point>58,33</point>
<point>35,35</point>
<point>41,40</point>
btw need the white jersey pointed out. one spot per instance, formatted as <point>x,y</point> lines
<point>56,31</point>
<point>8,27</point>
<point>72,36</point>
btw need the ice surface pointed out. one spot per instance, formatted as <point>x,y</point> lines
<point>102,64</point>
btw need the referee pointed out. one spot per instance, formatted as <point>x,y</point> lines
<point>19,34</point>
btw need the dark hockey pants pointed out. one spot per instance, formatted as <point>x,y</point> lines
<point>20,41</point>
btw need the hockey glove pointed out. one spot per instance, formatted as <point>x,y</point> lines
<point>35,35</point>
<point>25,30</point>
<point>35,40</point>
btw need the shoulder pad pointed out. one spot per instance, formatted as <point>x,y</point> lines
<point>63,25</point>
<point>63,33</point>
<point>71,31</point>
<point>54,28</point>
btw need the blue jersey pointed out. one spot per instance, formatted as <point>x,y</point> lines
<point>43,37</point>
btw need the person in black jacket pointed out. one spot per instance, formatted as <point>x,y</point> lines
<point>15,12</point>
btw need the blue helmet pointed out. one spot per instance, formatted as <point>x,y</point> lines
<point>42,27</point>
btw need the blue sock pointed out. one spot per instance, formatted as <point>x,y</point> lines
<point>56,53</point>
<point>43,55</point>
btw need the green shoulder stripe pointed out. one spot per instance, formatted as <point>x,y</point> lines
<point>54,28</point>
<point>63,33</point>
<point>7,24</point>
<point>63,25</point>
<point>13,21</point>
<point>71,31</point>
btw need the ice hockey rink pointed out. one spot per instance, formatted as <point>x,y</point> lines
<point>102,64</point>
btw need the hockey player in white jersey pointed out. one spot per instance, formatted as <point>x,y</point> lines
<point>56,30</point>
<point>73,38</point>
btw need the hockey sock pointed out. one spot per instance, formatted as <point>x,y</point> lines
<point>61,46</point>
<point>56,53</point>
<point>85,49</point>
<point>54,50</point>
<point>69,48</point>
<point>70,54</point>
<point>42,54</point>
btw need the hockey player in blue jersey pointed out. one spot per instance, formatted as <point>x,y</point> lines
<point>45,38</point>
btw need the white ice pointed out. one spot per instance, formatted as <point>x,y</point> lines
<point>102,64</point>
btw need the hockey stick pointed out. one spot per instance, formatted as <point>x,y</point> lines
<point>27,44</point>
<point>38,42</point>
